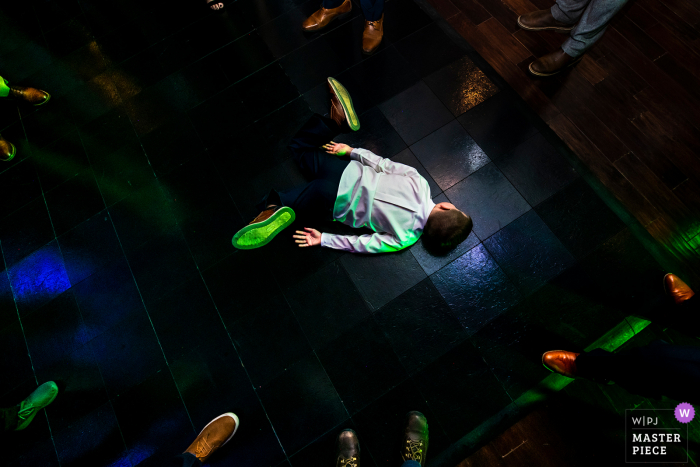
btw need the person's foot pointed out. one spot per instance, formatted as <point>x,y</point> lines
<point>215,5</point>
<point>7,150</point>
<point>342,110</point>
<point>217,433</point>
<point>561,361</point>
<point>553,63</point>
<point>348,452</point>
<point>323,16</point>
<point>30,95</point>
<point>372,35</point>
<point>415,438</point>
<point>677,289</point>
<point>29,407</point>
<point>264,228</point>
<point>542,20</point>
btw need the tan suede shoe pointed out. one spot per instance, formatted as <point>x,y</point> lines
<point>677,289</point>
<point>217,433</point>
<point>553,63</point>
<point>542,20</point>
<point>7,150</point>
<point>372,35</point>
<point>30,95</point>
<point>561,361</point>
<point>322,17</point>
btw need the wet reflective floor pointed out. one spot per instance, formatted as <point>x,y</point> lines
<point>167,124</point>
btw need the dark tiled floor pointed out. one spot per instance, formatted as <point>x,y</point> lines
<point>166,127</point>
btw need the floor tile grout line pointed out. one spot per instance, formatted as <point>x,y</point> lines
<point>233,83</point>
<point>603,192</point>
<point>221,180</point>
<point>245,369</point>
<point>55,238</point>
<point>26,344</point>
<point>313,350</point>
<point>441,299</point>
<point>662,257</point>
<point>491,427</point>
<point>300,94</point>
<point>150,320</point>
<point>229,336</point>
<point>410,377</point>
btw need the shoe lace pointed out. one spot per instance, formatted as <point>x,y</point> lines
<point>203,449</point>
<point>349,462</point>
<point>414,450</point>
<point>372,23</point>
<point>25,411</point>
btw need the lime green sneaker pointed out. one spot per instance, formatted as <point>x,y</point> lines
<point>264,228</point>
<point>29,407</point>
<point>340,99</point>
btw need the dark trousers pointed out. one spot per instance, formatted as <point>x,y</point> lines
<point>8,418</point>
<point>654,370</point>
<point>684,318</point>
<point>372,9</point>
<point>315,199</point>
<point>186,460</point>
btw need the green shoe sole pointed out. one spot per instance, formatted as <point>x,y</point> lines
<point>346,102</point>
<point>262,233</point>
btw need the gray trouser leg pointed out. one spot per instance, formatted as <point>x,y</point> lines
<point>592,16</point>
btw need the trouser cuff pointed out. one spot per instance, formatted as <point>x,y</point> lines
<point>573,48</point>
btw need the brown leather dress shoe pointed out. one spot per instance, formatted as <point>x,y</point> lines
<point>265,227</point>
<point>265,215</point>
<point>342,110</point>
<point>542,20</point>
<point>7,150</point>
<point>560,361</point>
<point>30,95</point>
<point>217,433</point>
<point>372,35</point>
<point>348,452</point>
<point>415,438</point>
<point>677,289</point>
<point>322,17</point>
<point>553,63</point>
<point>337,113</point>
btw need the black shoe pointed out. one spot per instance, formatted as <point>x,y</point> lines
<point>415,438</point>
<point>348,449</point>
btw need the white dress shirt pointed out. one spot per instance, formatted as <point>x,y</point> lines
<point>390,198</point>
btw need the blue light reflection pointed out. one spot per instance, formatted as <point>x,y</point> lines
<point>39,277</point>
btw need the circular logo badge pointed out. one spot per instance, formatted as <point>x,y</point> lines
<point>684,412</point>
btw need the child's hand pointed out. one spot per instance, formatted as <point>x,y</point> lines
<point>339,149</point>
<point>310,237</point>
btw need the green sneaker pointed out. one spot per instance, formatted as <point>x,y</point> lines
<point>264,228</point>
<point>341,97</point>
<point>40,398</point>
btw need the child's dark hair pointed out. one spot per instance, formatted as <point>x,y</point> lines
<point>446,229</point>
